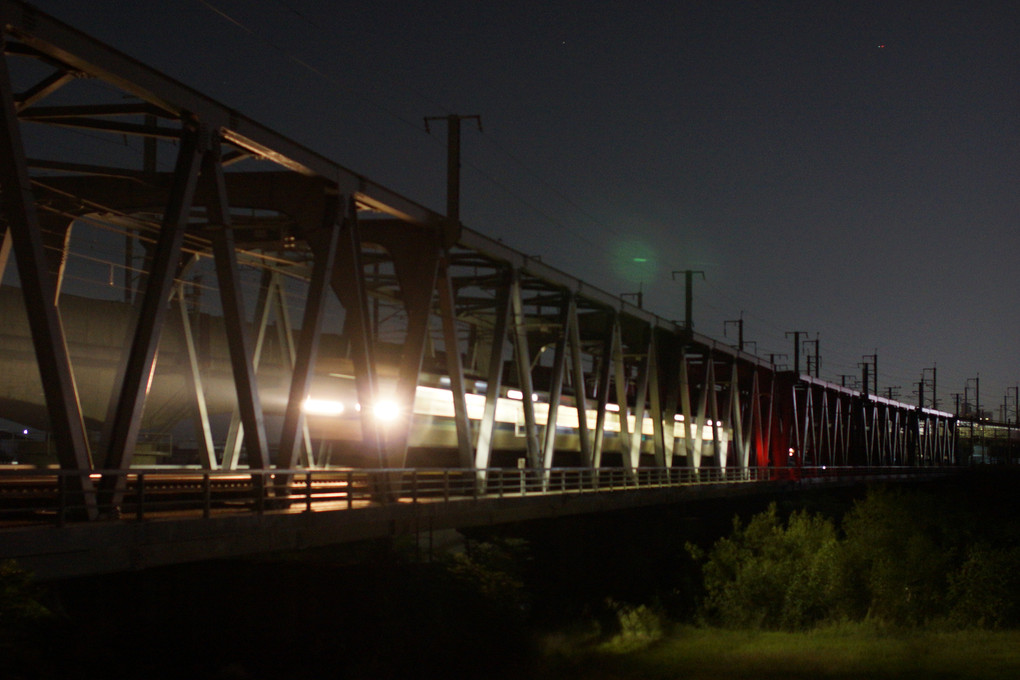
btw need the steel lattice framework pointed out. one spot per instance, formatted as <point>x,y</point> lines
<point>255,263</point>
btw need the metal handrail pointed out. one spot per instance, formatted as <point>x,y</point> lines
<point>30,496</point>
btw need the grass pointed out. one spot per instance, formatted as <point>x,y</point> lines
<point>842,652</point>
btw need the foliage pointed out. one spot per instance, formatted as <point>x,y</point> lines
<point>772,575</point>
<point>985,590</point>
<point>898,552</point>
<point>18,598</point>
<point>493,571</point>
<point>636,627</point>
<point>903,558</point>
<point>27,627</point>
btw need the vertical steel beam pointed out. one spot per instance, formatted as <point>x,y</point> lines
<point>126,414</point>
<point>641,401</point>
<point>756,431</point>
<point>577,375</point>
<point>699,421</point>
<point>17,208</point>
<point>454,366</point>
<point>231,299</point>
<point>736,418</point>
<point>662,423</point>
<point>687,411</point>
<point>556,385</point>
<point>602,395</point>
<point>718,444</point>
<point>670,372</point>
<point>324,246</point>
<point>494,380</point>
<point>523,358</point>
<point>825,450</point>
<point>620,379</point>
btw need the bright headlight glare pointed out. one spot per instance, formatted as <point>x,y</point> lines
<point>385,411</point>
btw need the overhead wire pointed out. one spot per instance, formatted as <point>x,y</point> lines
<point>842,357</point>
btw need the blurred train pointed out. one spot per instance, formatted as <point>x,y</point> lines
<point>334,416</point>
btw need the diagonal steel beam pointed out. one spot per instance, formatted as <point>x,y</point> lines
<point>455,368</point>
<point>324,245</point>
<point>348,283</point>
<point>194,378</point>
<point>228,277</point>
<point>17,208</point>
<point>5,249</point>
<point>494,380</point>
<point>577,375</point>
<point>602,395</point>
<point>126,415</point>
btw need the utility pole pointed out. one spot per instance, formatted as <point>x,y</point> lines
<point>893,391</point>
<point>817,357</point>
<point>873,364</point>
<point>772,358</point>
<point>796,348</point>
<point>977,394</point>
<point>453,163</point>
<point>740,330</point>
<point>934,387</point>
<point>638,296</point>
<point>688,294</point>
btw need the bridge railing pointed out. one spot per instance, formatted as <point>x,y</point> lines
<point>29,496</point>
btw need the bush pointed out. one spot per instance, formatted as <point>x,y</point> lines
<point>637,627</point>
<point>897,554</point>
<point>985,590</point>
<point>770,575</point>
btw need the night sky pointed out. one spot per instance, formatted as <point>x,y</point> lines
<point>842,168</point>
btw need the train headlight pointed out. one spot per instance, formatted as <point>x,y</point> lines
<point>385,411</point>
<point>322,407</point>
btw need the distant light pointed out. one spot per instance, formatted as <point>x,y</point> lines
<point>322,407</point>
<point>24,432</point>
<point>641,259</point>
<point>386,411</point>
<point>515,394</point>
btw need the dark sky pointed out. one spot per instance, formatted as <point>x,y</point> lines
<point>842,168</point>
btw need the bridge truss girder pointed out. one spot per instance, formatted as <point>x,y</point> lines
<point>421,303</point>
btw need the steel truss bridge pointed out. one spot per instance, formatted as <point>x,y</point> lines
<point>189,291</point>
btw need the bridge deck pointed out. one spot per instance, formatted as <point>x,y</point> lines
<point>159,532</point>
